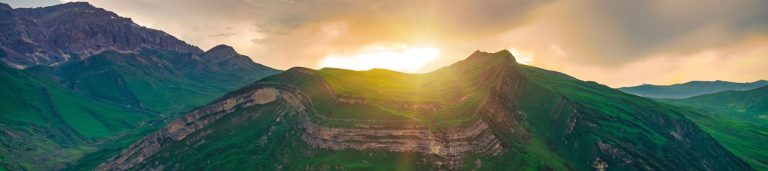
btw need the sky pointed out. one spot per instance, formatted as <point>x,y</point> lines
<point>616,43</point>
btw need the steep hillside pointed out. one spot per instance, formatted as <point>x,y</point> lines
<point>486,112</point>
<point>749,105</point>
<point>110,95</point>
<point>160,81</point>
<point>43,124</point>
<point>738,119</point>
<point>95,81</point>
<point>690,89</point>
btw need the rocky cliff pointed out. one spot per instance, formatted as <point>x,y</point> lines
<point>74,30</point>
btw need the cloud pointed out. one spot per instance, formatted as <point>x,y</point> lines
<point>604,41</point>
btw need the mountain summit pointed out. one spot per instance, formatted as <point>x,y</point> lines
<point>222,50</point>
<point>486,112</point>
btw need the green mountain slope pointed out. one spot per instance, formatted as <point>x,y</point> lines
<point>738,119</point>
<point>44,124</point>
<point>749,105</point>
<point>88,105</point>
<point>486,112</point>
<point>690,89</point>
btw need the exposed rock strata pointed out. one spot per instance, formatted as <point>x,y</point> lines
<point>451,145</point>
<point>191,122</point>
<point>448,147</point>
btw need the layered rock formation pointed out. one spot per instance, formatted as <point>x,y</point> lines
<point>191,122</point>
<point>449,146</point>
<point>506,117</point>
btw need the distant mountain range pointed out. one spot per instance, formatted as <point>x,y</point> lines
<point>486,112</point>
<point>749,104</point>
<point>92,79</point>
<point>738,119</point>
<point>690,89</point>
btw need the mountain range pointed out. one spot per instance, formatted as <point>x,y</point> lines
<point>738,119</point>
<point>486,112</point>
<point>690,89</point>
<point>86,89</point>
<point>74,31</point>
<point>91,78</point>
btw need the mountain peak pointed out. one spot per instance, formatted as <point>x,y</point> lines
<point>5,7</point>
<point>500,56</point>
<point>222,50</point>
<point>79,4</point>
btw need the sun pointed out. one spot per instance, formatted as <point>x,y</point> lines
<point>522,57</point>
<point>402,58</point>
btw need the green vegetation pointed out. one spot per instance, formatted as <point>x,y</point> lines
<point>545,120</point>
<point>734,119</point>
<point>51,116</point>
<point>43,122</point>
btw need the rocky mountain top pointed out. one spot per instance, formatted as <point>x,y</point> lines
<point>74,31</point>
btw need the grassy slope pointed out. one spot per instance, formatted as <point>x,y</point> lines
<point>109,101</point>
<point>735,118</point>
<point>41,120</point>
<point>636,129</point>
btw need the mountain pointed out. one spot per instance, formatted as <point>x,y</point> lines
<point>43,124</point>
<point>689,89</point>
<point>486,112</point>
<point>749,105</point>
<point>125,82</point>
<point>738,119</point>
<point>74,31</point>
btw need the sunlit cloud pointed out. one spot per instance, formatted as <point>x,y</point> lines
<point>394,57</point>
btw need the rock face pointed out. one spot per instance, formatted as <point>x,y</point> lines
<point>75,30</point>
<point>191,122</point>
<point>450,146</point>
<point>507,117</point>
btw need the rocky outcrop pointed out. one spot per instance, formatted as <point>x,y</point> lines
<point>400,105</point>
<point>191,122</point>
<point>447,148</point>
<point>56,34</point>
<point>450,146</point>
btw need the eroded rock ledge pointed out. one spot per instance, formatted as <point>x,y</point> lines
<point>446,148</point>
<point>191,122</point>
<point>450,146</point>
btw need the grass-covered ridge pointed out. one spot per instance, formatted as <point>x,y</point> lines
<point>544,120</point>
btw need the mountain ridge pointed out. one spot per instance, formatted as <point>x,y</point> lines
<point>738,119</point>
<point>74,31</point>
<point>527,118</point>
<point>689,89</point>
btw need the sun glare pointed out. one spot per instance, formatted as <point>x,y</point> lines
<point>399,58</point>
<point>522,57</point>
